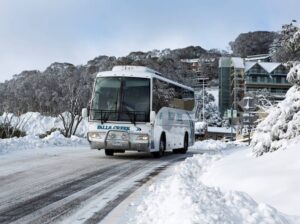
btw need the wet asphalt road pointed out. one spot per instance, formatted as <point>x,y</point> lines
<point>51,187</point>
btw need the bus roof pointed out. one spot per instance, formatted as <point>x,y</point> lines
<point>140,72</point>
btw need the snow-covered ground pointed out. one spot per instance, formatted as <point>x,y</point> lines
<point>32,142</point>
<point>226,184</point>
<point>229,186</point>
<point>273,178</point>
<point>34,124</point>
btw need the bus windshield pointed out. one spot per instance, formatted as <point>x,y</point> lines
<point>121,99</point>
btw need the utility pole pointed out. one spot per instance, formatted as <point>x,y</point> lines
<point>248,109</point>
<point>231,118</point>
<point>203,119</point>
<point>249,131</point>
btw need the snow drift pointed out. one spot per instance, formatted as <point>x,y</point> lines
<point>32,142</point>
<point>183,198</point>
<point>272,178</point>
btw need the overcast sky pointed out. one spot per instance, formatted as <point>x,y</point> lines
<point>35,33</point>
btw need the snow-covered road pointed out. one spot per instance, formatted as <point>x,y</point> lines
<point>67,184</point>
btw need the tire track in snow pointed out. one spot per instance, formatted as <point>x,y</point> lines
<point>54,205</point>
<point>19,210</point>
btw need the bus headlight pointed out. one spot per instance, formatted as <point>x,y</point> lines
<point>96,135</point>
<point>142,137</point>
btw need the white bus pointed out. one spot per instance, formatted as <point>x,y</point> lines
<point>134,108</point>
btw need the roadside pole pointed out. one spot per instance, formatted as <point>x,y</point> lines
<point>249,131</point>
<point>203,119</point>
<point>231,118</point>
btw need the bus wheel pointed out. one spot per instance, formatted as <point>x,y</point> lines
<point>109,152</point>
<point>162,148</point>
<point>185,144</point>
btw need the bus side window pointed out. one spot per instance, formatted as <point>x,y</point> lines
<point>171,115</point>
<point>179,117</point>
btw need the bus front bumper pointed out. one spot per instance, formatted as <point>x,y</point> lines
<point>133,144</point>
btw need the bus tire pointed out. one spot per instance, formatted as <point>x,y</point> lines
<point>162,148</point>
<point>109,152</point>
<point>185,144</point>
<point>176,151</point>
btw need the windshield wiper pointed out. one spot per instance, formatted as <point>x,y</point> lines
<point>105,119</point>
<point>133,115</point>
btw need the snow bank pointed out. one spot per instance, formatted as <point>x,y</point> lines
<point>209,144</point>
<point>183,198</point>
<point>33,142</point>
<point>33,123</point>
<point>272,178</point>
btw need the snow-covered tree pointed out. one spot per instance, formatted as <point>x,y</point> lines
<point>286,47</point>
<point>283,121</point>
<point>211,112</point>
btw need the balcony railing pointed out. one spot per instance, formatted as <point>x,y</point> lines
<point>256,72</point>
<point>270,82</point>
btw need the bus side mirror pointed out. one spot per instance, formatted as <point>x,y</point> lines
<point>84,112</point>
<point>152,117</point>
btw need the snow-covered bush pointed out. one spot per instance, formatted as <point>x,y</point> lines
<point>11,126</point>
<point>211,112</point>
<point>294,75</point>
<point>283,121</point>
<point>38,124</point>
<point>201,127</point>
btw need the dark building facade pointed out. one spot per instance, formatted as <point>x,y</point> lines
<point>239,78</point>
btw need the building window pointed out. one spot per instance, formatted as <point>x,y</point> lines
<point>254,79</point>
<point>278,79</point>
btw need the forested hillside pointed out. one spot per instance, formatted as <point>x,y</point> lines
<point>64,86</point>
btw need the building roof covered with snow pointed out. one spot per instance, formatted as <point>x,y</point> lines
<point>258,57</point>
<point>267,66</point>
<point>237,62</point>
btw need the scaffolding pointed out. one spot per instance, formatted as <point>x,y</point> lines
<point>224,84</point>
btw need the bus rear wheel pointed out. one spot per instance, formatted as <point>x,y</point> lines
<point>162,148</point>
<point>109,152</point>
<point>185,144</point>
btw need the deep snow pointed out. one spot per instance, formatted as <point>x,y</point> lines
<point>273,178</point>
<point>192,193</point>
